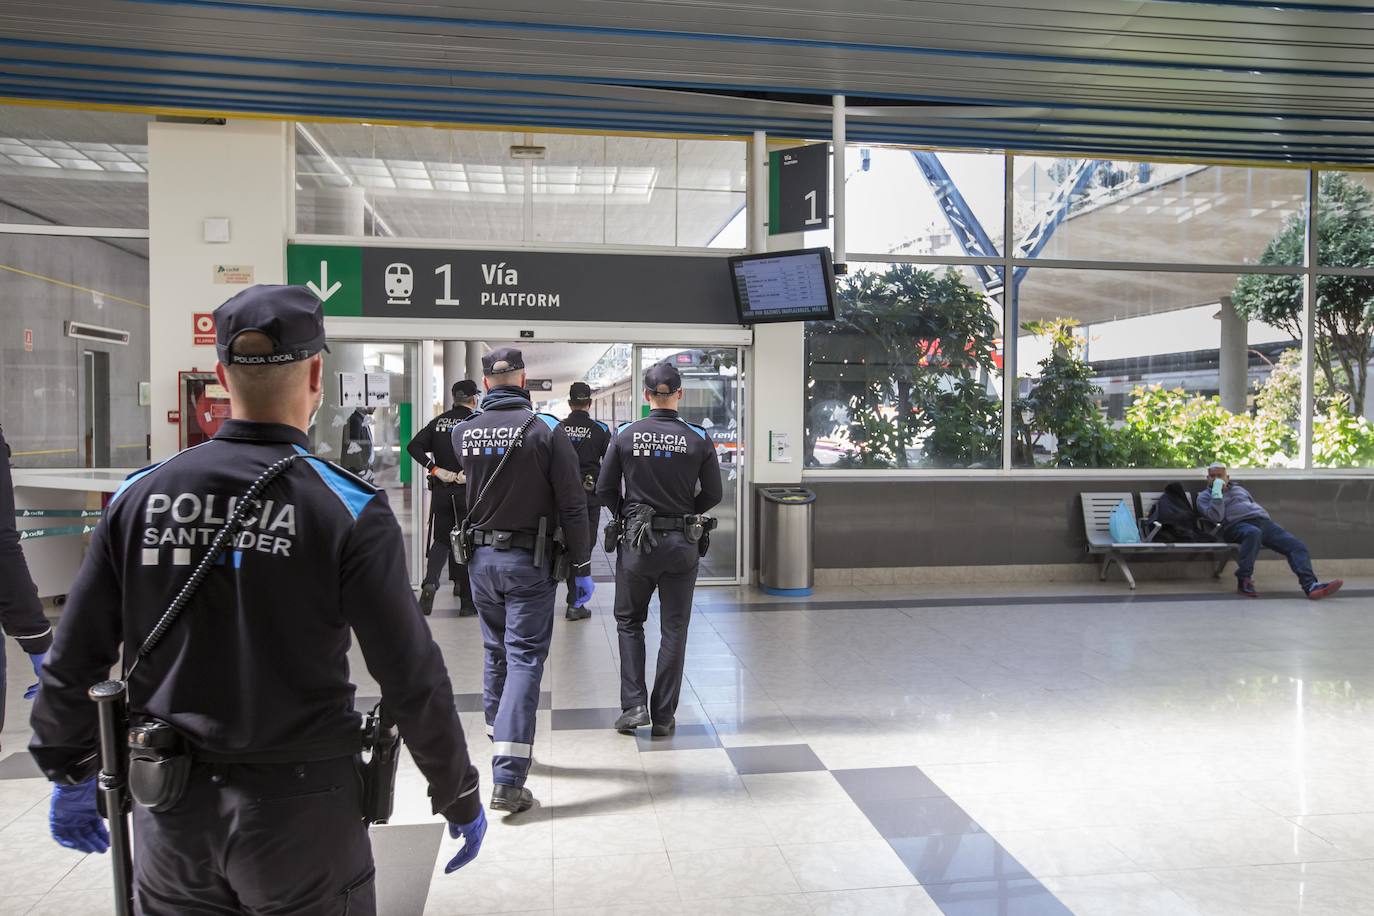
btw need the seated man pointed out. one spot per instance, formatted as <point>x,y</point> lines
<point>1243,521</point>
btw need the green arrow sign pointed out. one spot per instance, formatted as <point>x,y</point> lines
<point>333,272</point>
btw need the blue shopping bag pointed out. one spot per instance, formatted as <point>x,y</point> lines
<point>1122,525</point>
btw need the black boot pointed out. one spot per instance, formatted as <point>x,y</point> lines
<point>663,729</point>
<point>467,609</point>
<point>427,599</point>
<point>577,613</point>
<point>632,718</point>
<point>511,798</point>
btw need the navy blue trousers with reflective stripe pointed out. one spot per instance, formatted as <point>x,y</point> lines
<point>515,604</point>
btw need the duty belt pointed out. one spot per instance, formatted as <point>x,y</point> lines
<point>669,523</point>
<point>483,538</point>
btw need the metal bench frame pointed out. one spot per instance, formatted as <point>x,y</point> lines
<point>1097,512</point>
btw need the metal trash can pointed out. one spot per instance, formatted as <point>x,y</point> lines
<point>786,527</point>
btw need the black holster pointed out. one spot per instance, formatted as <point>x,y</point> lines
<point>698,530</point>
<point>460,543</point>
<point>159,764</point>
<point>610,539</point>
<point>381,757</point>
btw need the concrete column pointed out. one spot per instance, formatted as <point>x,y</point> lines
<point>239,171</point>
<point>1233,357</point>
<point>455,366</point>
<point>475,349</point>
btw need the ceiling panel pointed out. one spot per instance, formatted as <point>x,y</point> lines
<point>1276,82</point>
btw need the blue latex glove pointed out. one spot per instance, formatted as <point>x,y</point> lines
<point>472,835</point>
<point>1217,484</point>
<point>585,589</point>
<point>37,672</point>
<point>74,820</point>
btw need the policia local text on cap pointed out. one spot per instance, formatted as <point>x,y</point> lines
<point>250,688</point>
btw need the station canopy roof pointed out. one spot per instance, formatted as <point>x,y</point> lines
<point>1213,80</point>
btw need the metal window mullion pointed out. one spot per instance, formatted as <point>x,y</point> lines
<point>1309,320</point>
<point>1009,307</point>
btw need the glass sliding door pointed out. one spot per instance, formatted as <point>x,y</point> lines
<point>712,399</point>
<point>371,390</point>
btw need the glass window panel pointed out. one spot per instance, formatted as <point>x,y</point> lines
<point>1342,434</point>
<point>481,197</point>
<point>1114,210</point>
<point>649,219</point>
<point>910,373</point>
<point>49,420</point>
<point>1345,219</point>
<point>569,188</point>
<point>702,216</point>
<point>903,201</point>
<point>1157,369</point>
<point>57,167</point>
<point>463,185</point>
<point>712,165</point>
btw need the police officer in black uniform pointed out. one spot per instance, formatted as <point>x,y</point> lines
<point>589,439</point>
<point>671,474</point>
<point>21,613</point>
<point>433,448</point>
<point>523,484</point>
<point>254,673</point>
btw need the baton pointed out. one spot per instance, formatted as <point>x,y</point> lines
<point>111,699</point>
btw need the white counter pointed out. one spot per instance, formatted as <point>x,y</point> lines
<point>53,561</point>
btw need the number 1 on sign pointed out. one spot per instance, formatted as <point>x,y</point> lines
<point>446,270</point>
<point>810,198</point>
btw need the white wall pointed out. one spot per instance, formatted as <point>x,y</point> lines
<point>238,170</point>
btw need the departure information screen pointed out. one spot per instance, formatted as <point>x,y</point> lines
<point>784,286</point>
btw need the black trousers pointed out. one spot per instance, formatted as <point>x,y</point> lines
<point>445,504</point>
<point>258,839</point>
<point>593,524</point>
<point>671,569</point>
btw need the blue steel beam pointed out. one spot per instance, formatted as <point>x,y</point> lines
<point>968,231</point>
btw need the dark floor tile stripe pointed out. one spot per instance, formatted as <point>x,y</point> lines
<point>774,758</point>
<point>726,607</point>
<point>962,867</point>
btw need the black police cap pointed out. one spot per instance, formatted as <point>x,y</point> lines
<point>503,359</point>
<point>662,378</point>
<point>291,317</point>
<point>466,388</point>
<point>580,391</point>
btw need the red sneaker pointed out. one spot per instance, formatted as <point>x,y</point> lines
<point>1246,588</point>
<point>1325,589</point>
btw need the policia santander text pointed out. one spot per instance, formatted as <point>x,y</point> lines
<point>523,485</point>
<point>254,675</point>
<point>671,475</point>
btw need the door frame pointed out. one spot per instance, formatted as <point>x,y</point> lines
<point>429,332</point>
<point>743,452</point>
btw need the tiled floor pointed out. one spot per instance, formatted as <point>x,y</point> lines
<point>884,750</point>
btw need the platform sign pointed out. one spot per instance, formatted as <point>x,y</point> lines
<point>525,286</point>
<point>799,189</point>
<point>334,273</point>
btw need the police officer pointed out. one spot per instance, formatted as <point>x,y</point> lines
<point>433,448</point>
<point>254,673</point>
<point>21,613</point>
<point>589,439</point>
<point>523,483</point>
<point>670,472</point>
